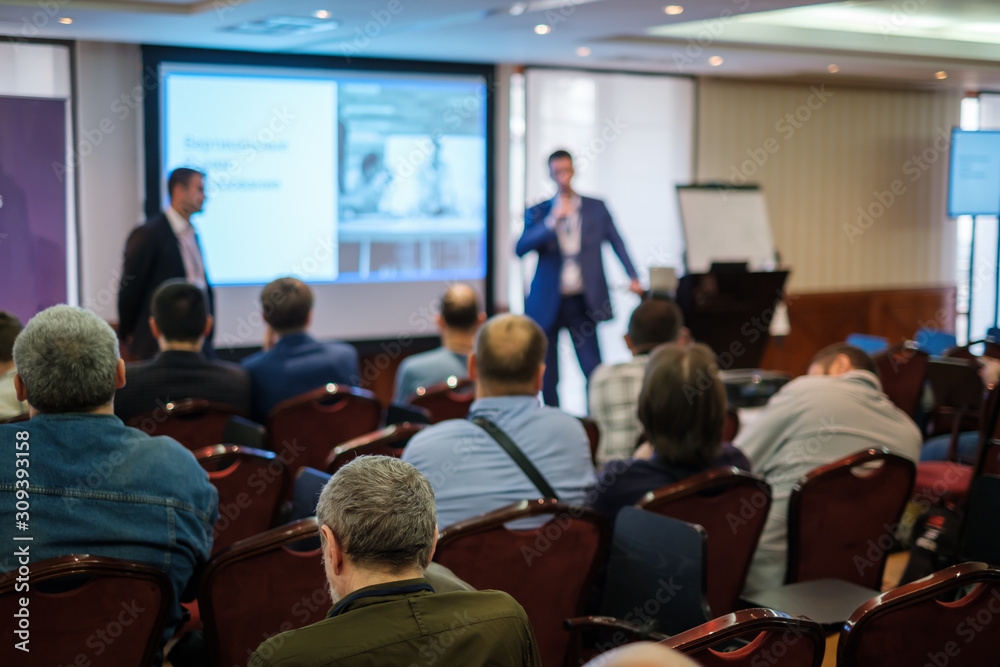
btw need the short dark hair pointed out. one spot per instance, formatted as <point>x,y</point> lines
<point>180,311</point>
<point>654,322</point>
<point>460,307</point>
<point>181,176</point>
<point>10,326</point>
<point>287,303</point>
<point>509,351</point>
<point>682,405</point>
<point>559,155</point>
<point>859,358</point>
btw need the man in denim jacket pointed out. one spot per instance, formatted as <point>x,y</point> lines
<point>96,486</point>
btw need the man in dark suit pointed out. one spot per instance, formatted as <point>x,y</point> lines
<point>180,323</point>
<point>293,362</point>
<point>162,248</point>
<point>569,288</point>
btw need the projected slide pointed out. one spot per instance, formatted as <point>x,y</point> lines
<point>332,177</point>
<point>975,174</point>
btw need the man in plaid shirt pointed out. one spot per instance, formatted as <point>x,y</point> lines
<point>614,390</point>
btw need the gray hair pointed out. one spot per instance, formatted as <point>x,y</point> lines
<point>67,358</point>
<point>381,510</point>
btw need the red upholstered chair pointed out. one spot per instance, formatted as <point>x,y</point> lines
<point>922,623</point>
<point>753,637</point>
<point>593,436</point>
<point>446,400</point>
<point>548,570</point>
<point>839,510</point>
<point>731,427</point>
<point>304,429</point>
<point>249,482</point>
<point>102,612</point>
<point>385,442</point>
<point>902,370</point>
<point>259,587</point>
<point>193,422</point>
<point>16,419</point>
<point>732,506</point>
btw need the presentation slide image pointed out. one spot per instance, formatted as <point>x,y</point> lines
<point>975,174</point>
<point>269,148</point>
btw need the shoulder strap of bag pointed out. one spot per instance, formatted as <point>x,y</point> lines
<point>517,455</point>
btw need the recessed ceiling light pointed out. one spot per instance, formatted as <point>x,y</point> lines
<point>542,29</point>
<point>941,75</point>
<point>65,20</point>
<point>322,14</point>
<point>715,61</point>
<point>673,10</point>
<point>518,8</point>
<point>583,52</point>
<point>832,69</point>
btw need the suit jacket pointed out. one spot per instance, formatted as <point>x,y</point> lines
<point>296,364</point>
<point>176,375</point>
<point>596,227</point>
<point>152,255</point>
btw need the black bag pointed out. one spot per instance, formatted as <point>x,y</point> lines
<point>936,543</point>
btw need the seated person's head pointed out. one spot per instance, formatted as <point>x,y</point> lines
<point>460,310</point>
<point>10,326</point>
<point>180,315</point>
<point>654,322</point>
<point>509,356</point>
<point>377,522</point>
<point>682,405</point>
<point>287,304</point>
<point>841,358</point>
<point>67,361</point>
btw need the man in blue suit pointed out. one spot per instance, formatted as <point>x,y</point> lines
<point>569,288</point>
<point>293,362</point>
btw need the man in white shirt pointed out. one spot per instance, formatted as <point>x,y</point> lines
<point>10,326</point>
<point>834,411</point>
<point>162,248</point>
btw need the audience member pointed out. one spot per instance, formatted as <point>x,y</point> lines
<point>470,472</point>
<point>458,322</point>
<point>10,326</point>
<point>293,362</point>
<point>180,322</point>
<point>834,411</point>
<point>967,447</point>
<point>378,534</point>
<point>642,654</point>
<point>100,487</point>
<point>614,389</point>
<point>682,407</point>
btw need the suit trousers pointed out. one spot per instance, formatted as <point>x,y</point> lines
<point>582,328</point>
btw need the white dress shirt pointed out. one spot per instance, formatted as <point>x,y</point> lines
<point>194,266</point>
<point>567,229</point>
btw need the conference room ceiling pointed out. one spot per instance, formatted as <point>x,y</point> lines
<point>906,42</point>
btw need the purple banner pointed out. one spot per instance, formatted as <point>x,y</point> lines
<point>32,205</point>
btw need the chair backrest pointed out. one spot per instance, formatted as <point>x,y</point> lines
<point>259,587</point>
<point>309,483</point>
<point>304,429</point>
<point>548,570</point>
<point>657,566</point>
<point>102,612</point>
<point>870,344</point>
<point>922,623</point>
<point>731,427</point>
<point>980,539</point>
<point>732,507</point>
<point>388,441</point>
<point>250,483</point>
<point>934,341</point>
<point>902,370</point>
<point>446,400</point>
<point>842,517</point>
<point>753,637</point>
<point>593,436</point>
<point>193,422</point>
<point>23,417</point>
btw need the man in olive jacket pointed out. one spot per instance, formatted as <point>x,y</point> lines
<point>378,528</point>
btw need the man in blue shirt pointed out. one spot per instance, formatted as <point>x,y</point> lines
<point>458,321</point>
<point>469,471</point>
<point>96,486</point>
<point>293,362</point>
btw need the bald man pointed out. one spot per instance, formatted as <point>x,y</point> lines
<point>469,471</point>
<point>458,321</point>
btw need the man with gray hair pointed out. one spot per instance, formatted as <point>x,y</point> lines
<point>96,486</point>
<point>378,532</point>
